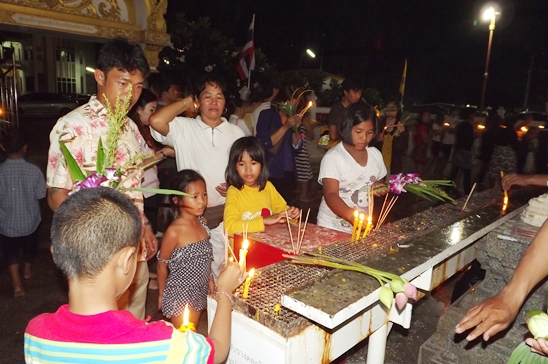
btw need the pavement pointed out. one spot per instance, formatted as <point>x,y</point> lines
<point>46,290</point>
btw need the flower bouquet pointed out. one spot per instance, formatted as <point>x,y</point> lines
<point>391,284</point>
<point>538,326</point>
<point>411,182</point>
<point>106,175</point>
<point>290,107</point>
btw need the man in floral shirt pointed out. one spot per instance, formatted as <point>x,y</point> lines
<point>120,64</point>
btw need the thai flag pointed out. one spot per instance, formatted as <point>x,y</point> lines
<point>247,58</point>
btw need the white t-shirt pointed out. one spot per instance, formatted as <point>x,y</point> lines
<point>354,181</point>
<point>202,148</point>
<point>235,120</point>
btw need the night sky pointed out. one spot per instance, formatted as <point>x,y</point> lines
<point>445,42</point>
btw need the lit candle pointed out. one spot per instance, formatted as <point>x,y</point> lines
<point>360,224</point>
<point>308,106</point>
<point>187,325</point>
<point>368,227</point>
<point>446,124</point>
<point>243,252</point>
<point>225,236</point>
<point>248,283</point>
<point>355,226</point>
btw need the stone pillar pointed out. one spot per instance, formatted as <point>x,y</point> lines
<point>500,259</point>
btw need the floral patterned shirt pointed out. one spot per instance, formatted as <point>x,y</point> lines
<point>80,130</point>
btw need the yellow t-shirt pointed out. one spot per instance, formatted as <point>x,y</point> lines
<point>246,205</point>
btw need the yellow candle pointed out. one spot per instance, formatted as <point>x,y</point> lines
<point>243,252</point>
<point>308,106</point>
<point>248,283</point>
<point>360,224</point>
<point>355,226</point>
<point>187,325</point>
<point>368,227</point>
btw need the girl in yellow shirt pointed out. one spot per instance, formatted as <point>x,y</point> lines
<point>251,200</point>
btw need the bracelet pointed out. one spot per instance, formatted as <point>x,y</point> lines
<point>229,296</point>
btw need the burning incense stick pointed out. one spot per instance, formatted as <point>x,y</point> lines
<point>388,208</point>
<point>468,198</point>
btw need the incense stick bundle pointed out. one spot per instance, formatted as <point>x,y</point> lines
<point>300,242</point>
<point>289,228</point>
<point>388,208</point>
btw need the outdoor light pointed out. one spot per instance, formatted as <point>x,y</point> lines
<point>310,53</point>
<point>490,14</point>
<point>89,69</point>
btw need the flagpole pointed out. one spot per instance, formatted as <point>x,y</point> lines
<point>249,77</point>
<point>402,82</point>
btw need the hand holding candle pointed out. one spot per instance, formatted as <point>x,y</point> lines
<point>248,283</point>
<point>308,106</point>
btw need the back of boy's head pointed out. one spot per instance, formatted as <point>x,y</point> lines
<point>13,140</point>
<point>255,149</point>
<point>91,226</point>
<point>181,180</point>
<point>354,115</point>
<point>123,55</point>
<point>160,83</point>
<point>351,83</point>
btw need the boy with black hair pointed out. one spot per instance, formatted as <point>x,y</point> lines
<point>352,92</point>
<point>120,64</point>
<point>166,89</point>
<point>95,237</point>
<point>22,184</point>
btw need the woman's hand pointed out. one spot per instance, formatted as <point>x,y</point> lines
<point>167,151</point>
<point>211,285</point>
<point>160,294</point>
<point>380,192</point>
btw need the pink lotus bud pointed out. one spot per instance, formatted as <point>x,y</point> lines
<point>410,291</point>
<point>386,296</point>
<point>401,300</point>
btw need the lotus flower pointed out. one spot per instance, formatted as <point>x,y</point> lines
<point>386,296</point>
<point>396,285</point>
<point>401,300</point>
<point>410,291</point>
<point>538,325</point>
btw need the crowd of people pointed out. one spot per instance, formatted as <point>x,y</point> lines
<point>237,163</point>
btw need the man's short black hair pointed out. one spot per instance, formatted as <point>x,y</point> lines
<point>160,83</point>
<point>123,55</point>
<point>90,227</point>
<point>351,83</point>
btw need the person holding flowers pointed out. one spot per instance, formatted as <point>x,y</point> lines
<point>202,144</point>
<point>349,169</point>
<point>120,73</point>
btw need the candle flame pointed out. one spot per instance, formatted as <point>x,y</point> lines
<point>186,314</point>
<point>446,124</point>
<point>245,244</point>
<point>369,219</point>
<point>356,213</point>
<point>251,273</point>
<point>505,201</point>
<point>481,127</point>
<point>362,216</point>
<point>541,126</point>
<point>310,104</point>
<point>524,129</point>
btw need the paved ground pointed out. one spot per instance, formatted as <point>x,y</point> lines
<point>47,289</point>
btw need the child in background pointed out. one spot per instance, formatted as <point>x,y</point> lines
<point>184,260</point>
<point>349,169</point>
<point>251,199</point>
<point>22,184</point>
<point>95,234</point>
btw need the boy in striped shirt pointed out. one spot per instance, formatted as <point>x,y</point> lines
<point>95,236</point>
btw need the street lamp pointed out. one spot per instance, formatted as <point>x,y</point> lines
<point>489,14</point>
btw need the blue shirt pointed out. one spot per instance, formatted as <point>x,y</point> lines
<point>284,160</point>
<point>22,184</point>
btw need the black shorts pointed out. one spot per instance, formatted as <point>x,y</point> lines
<point>19,248</point>
<point>436,148</point>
